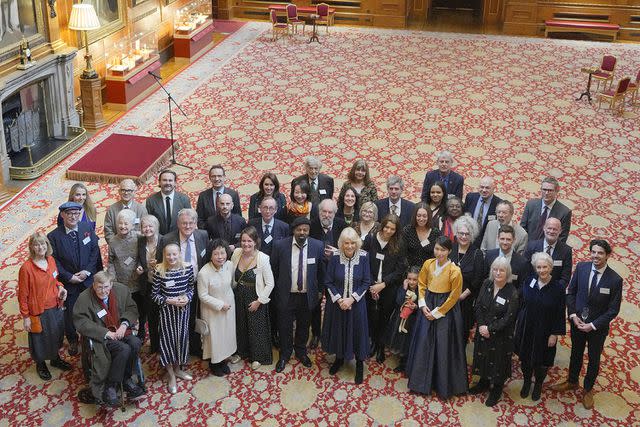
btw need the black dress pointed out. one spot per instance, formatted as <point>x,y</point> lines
<point>398,342</point>
<point>471,264</point>
<point>492,356</point>
<point>542,315</point>
<point>414,252</point>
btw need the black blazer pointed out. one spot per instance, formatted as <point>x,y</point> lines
<point>472,267</point>
<point>72,258</point>
<point>325,185</point>
<point>455,185</point>
<point>562,259</point>
<point>603,302</point>
<point>155,206</point>
<point>470,203</point>
<point>143,282</point>
<point>406,210</point>
<point>317,232</point>
<point>531,217</point>
<point>393,266</point>
<point>215,228</point>
<point>206,208</point>
<point>201,240</point>
<point>254,205</point>
<point>520,268</point>
<point>281,266</point>
<point>279,231</point>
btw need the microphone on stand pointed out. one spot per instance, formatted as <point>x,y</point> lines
<point>154,75</point>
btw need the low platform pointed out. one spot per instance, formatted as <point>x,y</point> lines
<point>587,27</point>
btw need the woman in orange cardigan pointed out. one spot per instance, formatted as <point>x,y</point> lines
<point>40,297</point>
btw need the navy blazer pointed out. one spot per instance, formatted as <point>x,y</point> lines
<point>532,213</point>
<point>562,259</point>
<point>281,266</point>
<point>455,183</point>
<point>254,206</point>
<point>317,232</point>
<point>406,210</point>
<point>215,228</point>
<point>279,231</point>
<point>71,258</point>
<point>470,203</point>
<point>520,268</point>
<point>155,206</point>
<point>325,185</point>
<point>201,241</point>
<point>206,208</point>
<point>603,302</point>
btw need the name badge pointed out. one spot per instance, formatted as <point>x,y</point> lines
<point>55,274</point>
<point>500,300</point>
<point>311,261</point>
<point>491,217</point>
<point>380,257</point>
<point>102,313</point>
<point>557,263</point>
<point>449,196</point>
<point>128,261</point>
<point>203,252</point>
<point>86,240</point>
<point>237,235</point>
<point>424,243</point>
<point>514,277</point>
<point>268,239</point>
<point>533,283</point>
<point>136,221</point>
<point>605,291</point>
<point>322,191</point>
<point>170,283</point>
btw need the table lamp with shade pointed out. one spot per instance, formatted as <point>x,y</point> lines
<point>84,18</point>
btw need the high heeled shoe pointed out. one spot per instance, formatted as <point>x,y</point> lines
<point>336,366</point>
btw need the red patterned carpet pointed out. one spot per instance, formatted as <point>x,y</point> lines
<point>504,105</point>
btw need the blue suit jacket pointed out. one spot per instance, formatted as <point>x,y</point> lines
<point>71,258</point>
<point>603,302</point>
<point>280,231</point>
<point>470,203</point>
<point>406,210</point>
<point>562,254</point>
<point>281,267</point>
<point>455,185</point>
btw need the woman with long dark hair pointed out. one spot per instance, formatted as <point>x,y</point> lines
<point>269,187</point>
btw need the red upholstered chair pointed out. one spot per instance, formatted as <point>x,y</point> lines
<point>277,27</point>
<point>615,98</point>
<point>605,73</point>
<point>632,90</point>
<point>322,10</point>
<point>292,18</point>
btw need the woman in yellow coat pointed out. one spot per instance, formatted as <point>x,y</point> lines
<point>437,359</point>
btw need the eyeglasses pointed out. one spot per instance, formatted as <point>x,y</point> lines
<point>125,190</point>
<point>268,208</point>
<point>462,233</point>
<point>548,190</point>
<point>72,213</point>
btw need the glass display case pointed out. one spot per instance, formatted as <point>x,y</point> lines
<point>130,53</point>
<point>192,17</point>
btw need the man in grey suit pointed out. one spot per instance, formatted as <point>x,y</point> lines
<point>166,203</point>
<point>504,216</point>
<point>127,200</point>
<point>207,205</point>
<point>194,245</point>
<point>537,211</point>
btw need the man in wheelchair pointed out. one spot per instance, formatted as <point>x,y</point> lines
<point>105,314</point>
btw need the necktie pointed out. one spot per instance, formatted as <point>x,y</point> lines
<point>300,267</point>
<point>394,210</point>
<point>543,219</point>
<point>227,229</point>
<point>215,205</point>
<point>187,252</point>
<point>549,249</point>
<point>74,236</point>
<point>314,186</point>
<point>167,205</point>
<point>480,218</point>
<point>594,281</point>
<point>266,230</point>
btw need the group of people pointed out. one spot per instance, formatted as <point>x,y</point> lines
<point>361,276</point>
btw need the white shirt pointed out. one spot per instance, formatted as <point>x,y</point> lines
<point>295,255</point>
<point>549,207</point>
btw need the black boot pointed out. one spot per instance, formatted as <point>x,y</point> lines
<point>380,354</point>
<point>359,371</point>
<point>480,387</point>
<point>494,395</point>
<point>541,374</point>
<point>526,384</point>
<point>402,365</point>
<point>336,366</point>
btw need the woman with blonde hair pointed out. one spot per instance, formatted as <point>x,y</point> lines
<point>367,224</point>
<point>79,194</point>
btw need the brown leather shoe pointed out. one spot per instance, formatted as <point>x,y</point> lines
<point>565,386</point>
<point>587,399</point>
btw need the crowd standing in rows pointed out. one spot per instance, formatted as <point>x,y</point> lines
<point>366,276</point>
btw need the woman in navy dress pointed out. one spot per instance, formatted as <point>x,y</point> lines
<point>540,321</point>
<point>269,187</point>
<point>345,329</point>
<point>173,287</point>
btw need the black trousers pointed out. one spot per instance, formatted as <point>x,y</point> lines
<point>316,319</point>
<point>195,343</point>
<point>153,319</point>
<point>141,303</point>
<point>73,292</point>
<point>296,310</point>
<point>123,354</point>
<point>594,341</point>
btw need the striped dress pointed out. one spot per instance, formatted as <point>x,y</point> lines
<point>174,321</point>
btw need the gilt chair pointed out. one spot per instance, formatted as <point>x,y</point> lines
<point>606,71</point>
<point>277,27</point>
<point>615,98</point>
<point>322,10</point>
<point>293,20</point>
<point>632,90</point>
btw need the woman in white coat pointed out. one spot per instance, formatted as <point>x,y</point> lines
<point>218,308</point>
<point>253,281</point>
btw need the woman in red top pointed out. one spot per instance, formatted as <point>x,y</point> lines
<point>40,295</point>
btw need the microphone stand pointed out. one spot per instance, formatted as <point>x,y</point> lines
<point>169,101</point>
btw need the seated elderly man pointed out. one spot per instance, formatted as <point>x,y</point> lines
<point>105,313</point>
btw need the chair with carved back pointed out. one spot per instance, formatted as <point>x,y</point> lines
<point>615,98</point>
<point>322,10</point>
<point>606,71</point>
<point>277,27</point>
<point>293,20</point>
<point>632,90</point>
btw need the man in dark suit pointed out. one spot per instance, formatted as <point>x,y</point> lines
<point>207,204</point>
<point>395,204</point>
<point>536,211</point>
<point>520,268</point>
<point>593,301</point>
<point>75,249</point>
<point>559,251</point>
<point>297,263</point>
<point>321,185</point>
<point>454,182</point>
<point>482,205</point>
<point>224,224</point>
<point>166,203</point>
<point>194,247</point>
